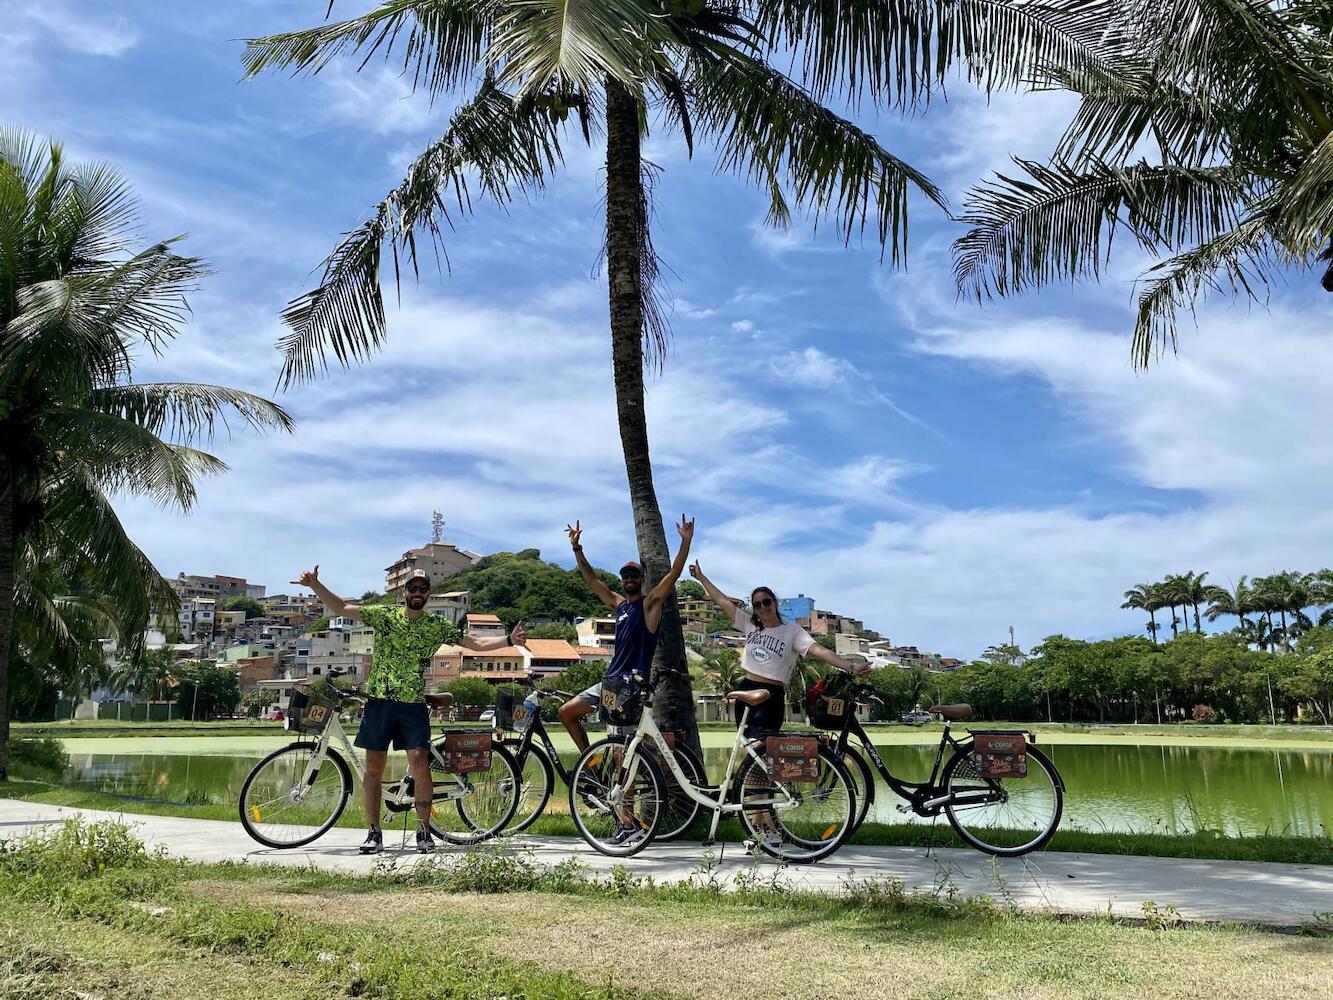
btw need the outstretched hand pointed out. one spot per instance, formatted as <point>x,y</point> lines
<point>686,528</point>
<point>696,570</point>
<point>575,533</point>
<point>519,636</point>
<point>308,578</point>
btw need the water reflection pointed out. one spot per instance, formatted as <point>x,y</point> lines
<point>1171,789</point>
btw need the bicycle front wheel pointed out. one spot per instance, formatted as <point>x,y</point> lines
<point>280,807</point>
<point>617,803</point>
<point>1003,816</point>
<point>797,823</point>
<point>470,808</point>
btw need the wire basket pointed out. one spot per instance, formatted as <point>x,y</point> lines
<point>310,708</point>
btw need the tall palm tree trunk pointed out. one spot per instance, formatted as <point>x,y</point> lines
<point>7,582</point>
<point>626,222</point>
<point>1152,617</point>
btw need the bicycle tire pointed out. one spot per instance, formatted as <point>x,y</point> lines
<point>834,823</point>
<point>598,821</point>
<point>534,757</point>
<point>252,813</point>
<point>962,767</point>
<point>863,781</point>
<point>499,803</point>
<point>681,808</point>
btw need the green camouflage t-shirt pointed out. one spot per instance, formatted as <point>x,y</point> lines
<point>403,651</point>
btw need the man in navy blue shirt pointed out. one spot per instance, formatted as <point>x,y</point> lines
<point>637,615</point>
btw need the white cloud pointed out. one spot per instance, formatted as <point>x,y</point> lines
<point>742,326</point>
<point>87,32</point>
<point>378,99</point>
<point>811,368</point>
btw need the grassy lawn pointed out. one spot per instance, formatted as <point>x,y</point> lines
<point>1292,850</point>
<point>92,916</point>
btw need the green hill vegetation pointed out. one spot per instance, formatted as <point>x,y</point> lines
<point>520,585</point>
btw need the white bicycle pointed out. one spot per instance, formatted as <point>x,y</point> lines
<point>793,796</point>
<point>296,794</point>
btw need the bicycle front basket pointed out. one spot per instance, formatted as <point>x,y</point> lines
<point>310,708</point>
<point>827,704</point>
<point>467,752</point>
<point>622,702</point>
<point>1000,754</point>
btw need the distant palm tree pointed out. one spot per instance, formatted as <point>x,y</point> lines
<point>1145,597</point>
<point>77,300</point>
<point>1237,602</point>
<point>1204,135</point>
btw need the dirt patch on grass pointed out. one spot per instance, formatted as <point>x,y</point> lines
<point>718,952</point>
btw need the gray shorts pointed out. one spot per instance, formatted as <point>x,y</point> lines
<point>592,697</point>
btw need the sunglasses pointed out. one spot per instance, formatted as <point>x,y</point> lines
<point>763,602</point>
<point>417,590</point>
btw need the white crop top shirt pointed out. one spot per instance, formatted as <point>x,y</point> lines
<point>771,652</point>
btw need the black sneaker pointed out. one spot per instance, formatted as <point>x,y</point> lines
<point>625,835</point>
<point>374,842</point>
<point>425,842</point>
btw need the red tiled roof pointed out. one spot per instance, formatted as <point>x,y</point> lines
<point>552,649</point>
<point>588,650</point>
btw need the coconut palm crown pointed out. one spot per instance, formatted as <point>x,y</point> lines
<point>77,298</point>
<point>1204,135</point>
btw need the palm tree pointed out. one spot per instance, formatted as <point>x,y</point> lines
<point>1230,602</point>
<point>1145,597</point>
<point>1235,100</point>
<point>1172,592</point>
<point>76,299</point>
<point>524,67</point>
<point>1194,592</point>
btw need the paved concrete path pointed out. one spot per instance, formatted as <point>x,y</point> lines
<point>1243,891</point>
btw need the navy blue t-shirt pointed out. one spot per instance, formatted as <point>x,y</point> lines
<point>635,645</point>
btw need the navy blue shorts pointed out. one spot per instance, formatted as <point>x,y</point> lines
<point>405,723</point>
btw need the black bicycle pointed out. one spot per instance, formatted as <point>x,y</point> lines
<point>538,762</point>
<point>999,792</point>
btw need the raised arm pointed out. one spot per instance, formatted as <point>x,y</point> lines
<point>667,584</point>
<point>604,593</point>
<point>724,603</point>
<point>335,605</point>
<point>518,637</point>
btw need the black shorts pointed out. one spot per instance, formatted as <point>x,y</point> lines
<point>766,718</point>
<point>404,723</point>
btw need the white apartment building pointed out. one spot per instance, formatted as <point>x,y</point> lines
<point>439,559</point>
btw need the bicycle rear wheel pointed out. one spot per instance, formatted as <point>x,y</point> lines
<point>536,783</point>
<point>470,808</point>
<point>280,808</point>
<point>616,813</point>
<point>681,809</point>
<point>1003,816</point>
<point>797,823</point>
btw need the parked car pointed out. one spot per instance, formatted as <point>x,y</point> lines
<point>487,716</point>
<point>916,717</point>
<point>273,715</point>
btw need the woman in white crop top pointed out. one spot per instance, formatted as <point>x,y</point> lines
<point>772,648</point>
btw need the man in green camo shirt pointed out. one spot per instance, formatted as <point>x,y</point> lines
<point>405,640</point>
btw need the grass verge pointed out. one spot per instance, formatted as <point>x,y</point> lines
<point>89,913</point>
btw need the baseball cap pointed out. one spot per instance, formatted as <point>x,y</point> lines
<point>631,565</point>
<point>417,574</point>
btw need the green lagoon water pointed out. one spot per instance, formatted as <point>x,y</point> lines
<point>1168,789</point>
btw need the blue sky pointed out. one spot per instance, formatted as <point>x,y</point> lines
<point>838,428</point>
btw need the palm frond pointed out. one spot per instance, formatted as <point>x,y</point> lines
<point>897,51</point>
<point>1058,222</point>
<point>772,132</point>
<point>442,41</point>
<point>186,410</point>
<point>500,145</point>
<point>538,44</point>
<point>1237,260</point>
<point>122,456</point>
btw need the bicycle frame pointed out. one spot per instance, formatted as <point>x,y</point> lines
<point>525,741</point>
<point>398,795</point>
<point>647,731</point>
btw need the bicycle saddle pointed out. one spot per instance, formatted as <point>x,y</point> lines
<point>439,700</point>
<point>954,713</point>
<point>751,698</point>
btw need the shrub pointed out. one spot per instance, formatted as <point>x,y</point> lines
<point>1204,713</point>
<point>75,849</point>
<point>43,758</point>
